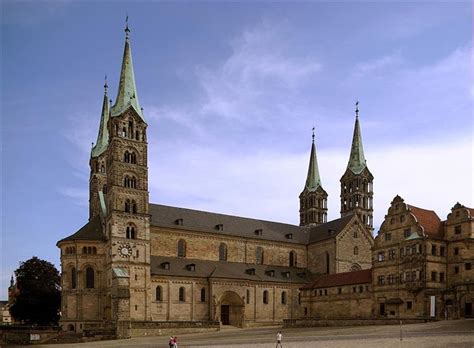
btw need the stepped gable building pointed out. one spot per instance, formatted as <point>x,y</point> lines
<point>135,265</point>
<point>422,268</point>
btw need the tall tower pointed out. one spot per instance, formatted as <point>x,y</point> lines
<point>98,161</point>
<point>313,199</point>
<point>127,220</point>
<point>356,183</point>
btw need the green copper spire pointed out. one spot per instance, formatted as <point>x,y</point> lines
<point>313,181</point>
<point>357,161</point>
<point>127,91</point>
<point>103,137</point>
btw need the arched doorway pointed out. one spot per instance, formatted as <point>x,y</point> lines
<point>231,309</point>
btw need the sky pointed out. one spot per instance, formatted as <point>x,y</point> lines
<point>231,91</point>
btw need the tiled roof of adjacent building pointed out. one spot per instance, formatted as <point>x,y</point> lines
<point>429,220</point>
<point>202,221</point>
<point>177,266</point>
<point>340,279</point>
<point>90,231</point>
<point>329,229</point>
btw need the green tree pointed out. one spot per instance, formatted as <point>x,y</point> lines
<point>38,298</point>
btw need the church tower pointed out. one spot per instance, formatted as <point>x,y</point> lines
<point>127,220</point>
<point>98,162</point>
<point>356,183</point>
<point>313,199</point>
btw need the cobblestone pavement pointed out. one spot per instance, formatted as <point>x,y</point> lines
<point>453,334</point>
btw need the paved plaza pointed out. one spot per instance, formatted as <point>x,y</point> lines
<point>453,334</point>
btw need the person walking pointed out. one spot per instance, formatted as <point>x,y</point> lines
<point>170,342</point>
<point>279,337</point>
<point>175,342</point>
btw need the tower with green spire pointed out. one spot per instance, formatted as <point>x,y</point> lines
<point>98,162</point>
<point>313,199</point>
<point>127,219</point>
<point>357,181</point>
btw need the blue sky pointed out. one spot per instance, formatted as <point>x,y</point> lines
<point>230,92</point>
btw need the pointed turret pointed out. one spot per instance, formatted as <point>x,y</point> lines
<point>357,161</point>
<point>356,183</point>
<point>313,199</point>
<point>127,91</point>
<point>313,180</point>
<point>103,136</point>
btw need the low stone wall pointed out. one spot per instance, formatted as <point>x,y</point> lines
<point>15,334</point>
<point>319,322</point>
<point>161,328</point>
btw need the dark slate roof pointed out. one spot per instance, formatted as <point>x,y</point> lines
<point>3,303</point>
<point>329,229</point>
<point>229,270</point>
<point>90,231</point>
<point>340,279</point>
<point>166,216</point>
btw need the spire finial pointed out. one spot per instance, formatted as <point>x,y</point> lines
<point>357,109</point>
<point>106,86</point>
<point>12,282</point>
<point>127,30</point>
<point>313,135</point>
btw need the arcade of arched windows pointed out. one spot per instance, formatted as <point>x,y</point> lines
<point>89,250</point>
<point>130,130</point>
<point>131,231</point>
<point>70,250</point>
<point>130,157</point>
<point>130,181</point>
<point>88,278</point>
<point>130,206</point>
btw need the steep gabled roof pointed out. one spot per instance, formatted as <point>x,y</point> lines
<point>427,219</point>
<point>90,231</point>
<point>202,221</point>
<point>339,279</point>
<point>328,230</point>
<point>179,266</point>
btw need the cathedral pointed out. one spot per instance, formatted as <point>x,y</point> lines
<point>136,267</point>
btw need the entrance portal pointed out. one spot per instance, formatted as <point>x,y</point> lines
<point>231,309</point>
<point>468,310</point>
<point>225,315</point>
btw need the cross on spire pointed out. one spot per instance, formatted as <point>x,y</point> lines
<point>313,134</point>
<point>357,109</point>
<point>127,29</point>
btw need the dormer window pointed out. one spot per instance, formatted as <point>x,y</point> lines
<point>271,273</point>
<point>165,265</point>
<point>191,267</point>
<point>259,232</point>
<point>301,275</point>
<point>178,222</point>
<point>289,236</point>
<point>250,271</point>
<point>219,227</point>
<point>286,274</point>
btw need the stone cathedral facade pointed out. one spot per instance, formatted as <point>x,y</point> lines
<point>136,264</point>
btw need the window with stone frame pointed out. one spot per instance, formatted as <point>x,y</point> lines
<point>222,252</point>
<point>381,280</point>
<point>468,266</point>
<point>391,254</point>
<point>259,256</point>
<point>265,297</point>
<point>203,295</point>
<point>456,251</point>
<point>457,229</point>
<point>181,252</point>
<point>441,250</point>
<point>406,233</point>
<point>409,304</point>
<point>388,236</point>
<point>182,294</point>
<point>283,298</point>
<point>434,276</point>
<point>381,256</point>
<point>441,277</point>
<point>356,250</point>
<point>73,278</point>
<point>434,249</point>
<point>159,293</point>
<point>247,297</point>
<point>90,281</point>
<point>456,269</point>
<point>292,259</point>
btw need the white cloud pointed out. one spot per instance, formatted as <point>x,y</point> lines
<point>266,185</point>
